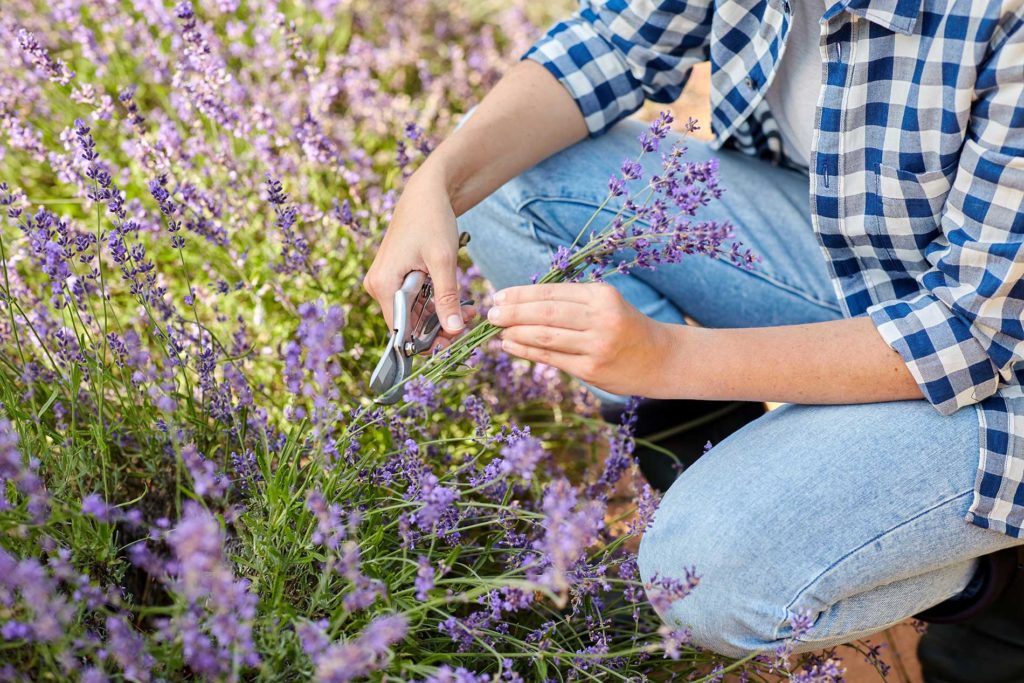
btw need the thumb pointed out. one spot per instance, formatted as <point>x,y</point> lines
<point>441,268</point>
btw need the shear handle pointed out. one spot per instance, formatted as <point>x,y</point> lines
<point>404,300</point>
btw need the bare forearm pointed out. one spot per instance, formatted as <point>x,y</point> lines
<point>527,117</point>
<point>842,361</point>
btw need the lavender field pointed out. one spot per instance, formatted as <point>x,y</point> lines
<point>197,484</point>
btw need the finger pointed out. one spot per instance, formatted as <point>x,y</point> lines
<point>551,338</point>
<point>441,267</point>
<point>382,287</point>
<point>569,315</point>
<point>557,359</point>
<point>558,291</point>
<point>468,313</point>
<point>444,339</point>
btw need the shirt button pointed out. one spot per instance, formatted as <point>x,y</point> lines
<point>750,82</point>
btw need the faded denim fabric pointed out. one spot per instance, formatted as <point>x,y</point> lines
<point>854,512</point>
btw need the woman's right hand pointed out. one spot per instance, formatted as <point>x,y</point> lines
<point>422,236</point>
<point>527,117</point>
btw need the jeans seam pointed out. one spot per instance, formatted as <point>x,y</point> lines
<point>590,202</point>
<point>803,591</point>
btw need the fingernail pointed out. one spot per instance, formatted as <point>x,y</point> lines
<point>499,296</point>
<point>454,322</point>
<point>494,314</point>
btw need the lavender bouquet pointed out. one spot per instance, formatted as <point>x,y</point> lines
<point>652,225</point>
<point>194,482</point>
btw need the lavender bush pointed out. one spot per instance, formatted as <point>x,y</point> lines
<point>195,483</point>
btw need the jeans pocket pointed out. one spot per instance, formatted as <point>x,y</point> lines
<point>905,217</point>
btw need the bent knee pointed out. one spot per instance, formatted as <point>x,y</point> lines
<point>732,609</point>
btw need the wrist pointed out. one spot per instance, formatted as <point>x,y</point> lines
<point>443,173</point>
<point>671,346</point>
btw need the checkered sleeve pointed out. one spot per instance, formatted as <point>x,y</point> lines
<point>612,54</point>
<point>962,333</point>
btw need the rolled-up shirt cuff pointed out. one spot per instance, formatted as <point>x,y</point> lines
<point>946,360</point>
<point>594,73</point>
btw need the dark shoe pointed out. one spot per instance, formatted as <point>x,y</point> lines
<point>986,645</point>
<point>671,434</point>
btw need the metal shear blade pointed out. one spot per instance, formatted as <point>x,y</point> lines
<point>415,330</point>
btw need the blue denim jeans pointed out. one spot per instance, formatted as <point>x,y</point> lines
<point>854,512</point>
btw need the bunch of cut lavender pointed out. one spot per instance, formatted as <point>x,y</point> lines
<point>653,225</point>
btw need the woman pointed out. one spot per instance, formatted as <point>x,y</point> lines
<point>872,153</point>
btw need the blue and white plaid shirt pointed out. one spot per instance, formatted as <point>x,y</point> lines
<point>916,173</point>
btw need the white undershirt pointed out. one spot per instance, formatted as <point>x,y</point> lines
<point>793,95</point>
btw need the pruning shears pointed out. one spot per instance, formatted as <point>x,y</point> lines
<point>416,326</point>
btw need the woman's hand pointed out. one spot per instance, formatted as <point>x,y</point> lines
<point>422,236</point>
<point>527,117</point>
<point>589,331</point>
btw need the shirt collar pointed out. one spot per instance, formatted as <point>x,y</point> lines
<point>895,15</point>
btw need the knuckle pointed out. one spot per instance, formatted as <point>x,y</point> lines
<point>602,348</point>
<point>604,291</point>
<point>545,338</point>
<point>549,312</point>
<point>446,298</point>
<point>611,294</point>
<point>615,320</point>
<point>440,257</point>
<point>588,369</point>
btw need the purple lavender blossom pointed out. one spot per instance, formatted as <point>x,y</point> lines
<point>246,469</point>
<point>829,671</point>
<point>437,512</point>
<point>206,480</point>
<point>361,656</point>
<point>657,131</point>
<point>422,392</point>
<point>216,630</point>
<point>620,453</point>
<point>801,622</point>
<point>568,531</point>
<point>55,69</point>
<point>672,640</point>
<point>47,612</point>
<point>616,186</point>
<point>313,637</point>
<point>664,591</point>
<point>365,590</point>
<point>23,473</point>
<point>632,170</point>
<point>475,408</point>
<point>311,369</point>
<point>521,456</point>
<point>646,500</point>
<point>560,259</point>
<point>94,506</point>
<point>424,577</point>
<point>128,648</point>
<point>448,674</point>
<point>295,249</point>
<point>330,532</point>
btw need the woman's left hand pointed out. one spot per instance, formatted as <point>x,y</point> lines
<point>589,331</point>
